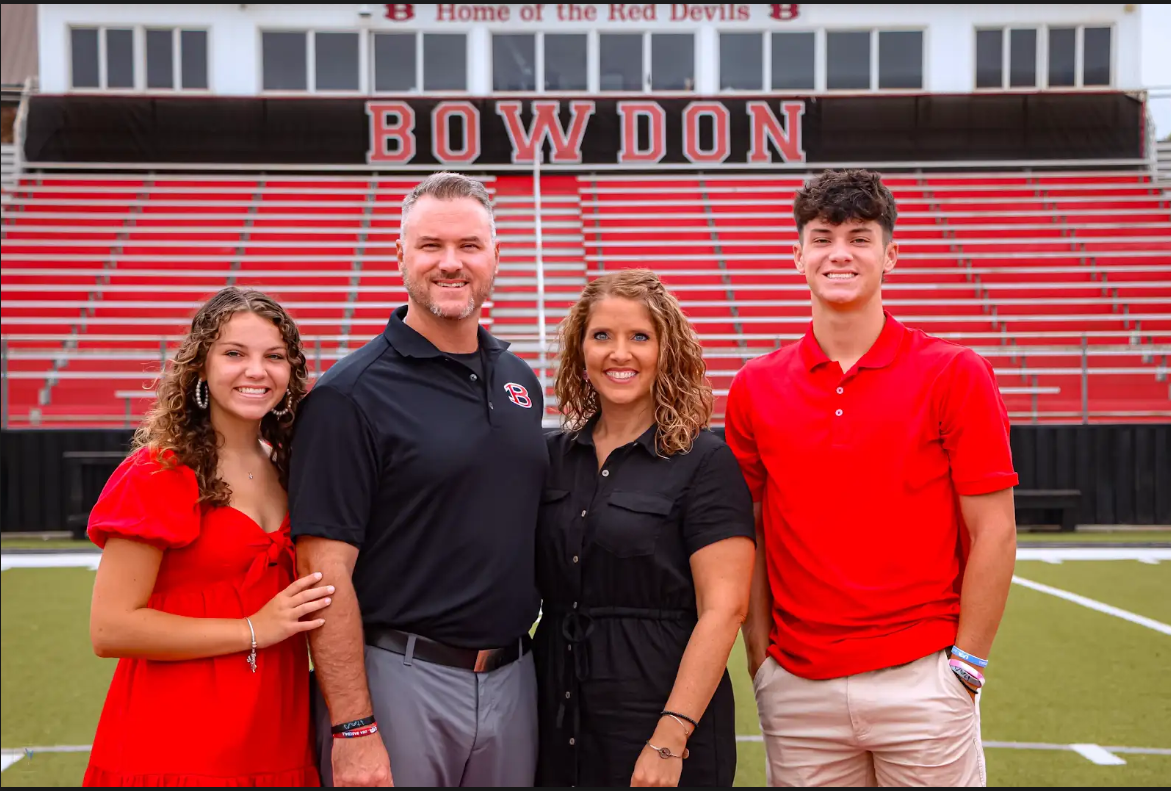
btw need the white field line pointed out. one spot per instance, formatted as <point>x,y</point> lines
<point>1125,615</point>
<point>1150,555</point>
<point>1097,755</point>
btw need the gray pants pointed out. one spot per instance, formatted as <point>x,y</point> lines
<point>443,726</point>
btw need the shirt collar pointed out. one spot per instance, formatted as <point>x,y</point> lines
<point>585,436</point>
<point>880,355</point>
<point>409,343</point>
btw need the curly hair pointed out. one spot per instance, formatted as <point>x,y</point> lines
<point>179,431</point>
<point>839,196</point>
<point>682,394</point>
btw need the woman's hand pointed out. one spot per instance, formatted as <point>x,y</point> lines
<point>654,771</point>
<point>280,619</point>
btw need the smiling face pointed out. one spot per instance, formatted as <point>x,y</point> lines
<point>448,257</point>
<point>621,350</point>
<point>844,264</point>
<point>247,368</point>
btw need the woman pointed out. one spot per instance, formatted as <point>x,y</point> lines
<point>644,553</point>
<point>195,592</point>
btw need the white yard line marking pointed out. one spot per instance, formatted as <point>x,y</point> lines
<point>1151,555</point>
<point>1141,620</point>
<point>1059,554</point>
<point>49,560</point>
<point>1096,754</point>
<point>8,758</point>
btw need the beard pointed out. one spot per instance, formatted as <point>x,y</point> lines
<point>420,293</point>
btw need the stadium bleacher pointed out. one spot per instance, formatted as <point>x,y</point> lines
<point>1062,279</point>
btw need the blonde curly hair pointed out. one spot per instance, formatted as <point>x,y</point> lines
<point>682,394</point>
<point>179,431</point>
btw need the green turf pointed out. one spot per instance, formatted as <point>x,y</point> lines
<point>53,687</point>
<point>1140,588</point>
<point>52,543</point>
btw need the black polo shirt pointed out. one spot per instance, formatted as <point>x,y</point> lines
<point>433,467</point>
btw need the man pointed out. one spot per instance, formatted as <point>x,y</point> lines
<point>415,480</point>
<point>879,461</point>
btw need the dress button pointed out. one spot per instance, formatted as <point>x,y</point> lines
<point>570,741</point>
<point>575,605</point>
<point>567,695</point>
<point>583,513</point>
<point>841,390</point>
<point>575,558</point>
<point>838,413</point>
<point>605,473</point>
<point>474,379</point>
<point>491,405</point>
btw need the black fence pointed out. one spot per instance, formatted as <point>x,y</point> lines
<point>51,478</point>
<point>583,132</point>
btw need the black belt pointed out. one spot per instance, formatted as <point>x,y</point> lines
<point>415,646</point>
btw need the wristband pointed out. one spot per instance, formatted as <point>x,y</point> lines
<point>976,661</point>
<point>678,716</point>
<point>369,730</point>
<point>967,674</point>
<point>354,724</point>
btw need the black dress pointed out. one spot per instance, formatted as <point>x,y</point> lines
<point>613,549</point>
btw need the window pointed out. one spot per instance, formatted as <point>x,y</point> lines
<point>620,66</point>
<point>445,62</point>
<point>1096,58</point>
<point>1062,57</point>
<point>672,61</point>
<point>514,62</point>
<point>900,59</point>
<point>395,62</point>
<point>290,59</point>
<point>794,57</point>
<point>741,62</point>
<point>119,58</point>
<point>84,58</point>
<point>284,61</point>
<point>1073,57</point>
<point>133,59</point>
<point>566,62</point>
<point>1022,58</point>
<point>847,60</point>
<point>335,62</point>
<point>989,59</point>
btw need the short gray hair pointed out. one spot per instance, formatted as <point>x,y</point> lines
<point>449,186</point>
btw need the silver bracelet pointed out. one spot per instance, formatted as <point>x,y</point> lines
<point>252,656</point>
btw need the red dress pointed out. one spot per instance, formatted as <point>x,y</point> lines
<point>202,722</point>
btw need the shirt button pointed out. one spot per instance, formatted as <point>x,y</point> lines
<point>840,389</point>
<point>575,605</point>
<point>567,696</point>
<point>575,558</point>
<point>605,473</point>
<point>491,405</point>
<point>474,379</point>
<point>583,513</point>
<point>570,741</point>
<point>838,413</point>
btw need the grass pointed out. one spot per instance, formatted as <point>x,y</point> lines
<point>49,543</point>
<point>1061,674</point>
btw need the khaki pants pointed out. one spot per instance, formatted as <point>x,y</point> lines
<point>911,725</point>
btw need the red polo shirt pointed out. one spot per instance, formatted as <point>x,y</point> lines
<point>858,476</point>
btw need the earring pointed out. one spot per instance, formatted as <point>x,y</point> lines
<point>288,405</point>
<point>585,374</point>
<point>202,395</point>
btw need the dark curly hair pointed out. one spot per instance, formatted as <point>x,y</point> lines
<point>682,393</point>
<point>839,196</point>
<point>179,431</point>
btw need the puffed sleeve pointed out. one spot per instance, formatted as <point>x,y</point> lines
<point>145,502</point>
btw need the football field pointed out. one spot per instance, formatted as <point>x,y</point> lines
<point>1078,691</point>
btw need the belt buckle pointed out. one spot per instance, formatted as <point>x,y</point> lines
<point>484,660</point>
